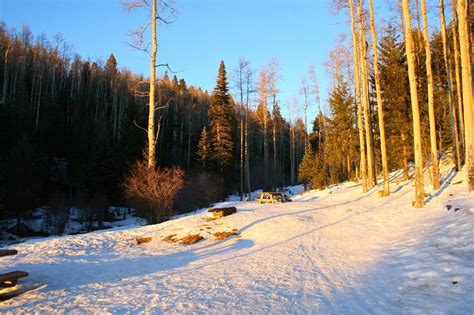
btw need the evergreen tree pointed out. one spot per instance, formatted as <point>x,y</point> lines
<point>310,169</point>
<point>203,149</point>
<point>221,122</point>
<point>395,97</point>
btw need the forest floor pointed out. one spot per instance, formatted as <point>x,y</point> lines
<point>333,251</point>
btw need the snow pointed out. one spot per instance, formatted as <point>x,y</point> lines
<point>331,251</point>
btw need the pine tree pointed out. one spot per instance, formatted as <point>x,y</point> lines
<point>395,99</point>
<point>309,169</point>
<point>221,122</point>
<point>203,149</point>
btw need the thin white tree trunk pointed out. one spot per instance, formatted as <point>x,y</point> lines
<point>410,53</point>
<point>431,113</point>
<point>464,46</point>
<point>355,50</point>
<point>365,89</point>
<point>383,148</point>
<point>151,97</point>
<point>452,108</point>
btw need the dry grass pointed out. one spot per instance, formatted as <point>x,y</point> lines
<point>170,238</point>
<point>223,235</point>
<point>191,239</point>
<point>143,240</point>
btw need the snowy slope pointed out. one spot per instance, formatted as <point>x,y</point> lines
<point>332,251</point>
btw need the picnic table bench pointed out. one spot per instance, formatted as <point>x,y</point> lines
<point>10,279</point>
<point>8,252</point>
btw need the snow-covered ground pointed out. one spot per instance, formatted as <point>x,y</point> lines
<point>334,251</point>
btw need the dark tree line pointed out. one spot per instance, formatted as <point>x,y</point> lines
<point>71,129</point>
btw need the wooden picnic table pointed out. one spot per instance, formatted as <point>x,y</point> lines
<point>10,279</point>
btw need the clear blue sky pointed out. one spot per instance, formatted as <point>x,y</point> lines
<point>295,32</point>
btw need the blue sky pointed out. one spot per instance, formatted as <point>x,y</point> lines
<point>295,32</point>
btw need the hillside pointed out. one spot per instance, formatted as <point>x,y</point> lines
<point>331,251</point>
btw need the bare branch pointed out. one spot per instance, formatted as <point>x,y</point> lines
<point>140,127</point>
<point>167,66</point>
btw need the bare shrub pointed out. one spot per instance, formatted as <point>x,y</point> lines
<point>57,215</point>
<point>153,191</point>
<point>201,189</point>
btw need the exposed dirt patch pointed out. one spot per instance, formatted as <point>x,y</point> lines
<point>223,235</point>
<point>191,239</point>
<point>143,240</point>
<point>170,238</point>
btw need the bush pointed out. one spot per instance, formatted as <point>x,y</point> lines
<point>152,191</point>
<point>201,188</point>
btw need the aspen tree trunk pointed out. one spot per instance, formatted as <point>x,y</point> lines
<point>431,113</point>
<point>452,109</point>
<point>464,46</point>
<point>247,164</point>
<point>265,145</point>
<point>365,88</point>
<point>458,74</point>
<point>151,97</point>
<point>410,53</point>
<point>241,159</point>
<point>383,148</point>
<point>5,75</point>
<point>355,51</point>
<point>274,137</point>
<point>292,153</point>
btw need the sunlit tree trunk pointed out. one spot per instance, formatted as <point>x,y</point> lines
<point>363,162</point>
<point>365,87</point>
<point>431,113</point>
<point>458,74</point>
<point>464,46</point>
<point>452,108</point>
<point>383,148</point>
<point>151,96</point>
<point>410,53</point>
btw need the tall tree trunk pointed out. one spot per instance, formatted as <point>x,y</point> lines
<point>452,109</point>
<point>462,8</point>
<point>363,162</point>
<point>410,53</point>
<point>241,158</point>
<point>247,152</point>
<point>5,75</point>
<point>365,88</point>
<point>458,75</point>
<point>383,148</point>
<point>151,96</point>
<point>431,112</point>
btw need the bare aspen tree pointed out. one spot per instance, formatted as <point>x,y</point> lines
<point>273,77</point>
<point>138,37</point>
<point>457,71</point>
<point>243,81</point>
<point>355,51</point>
<point>383,148</point>
<point>452,108</point>
<point>464,45</point>
<point>320,117</point>
<point>262,87</point>
<point>304,91</point>
<point>248,90</point>
<point>239,80</point>
<point>365,88</point>
<point>431,113</point>
<point>410,53</point>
